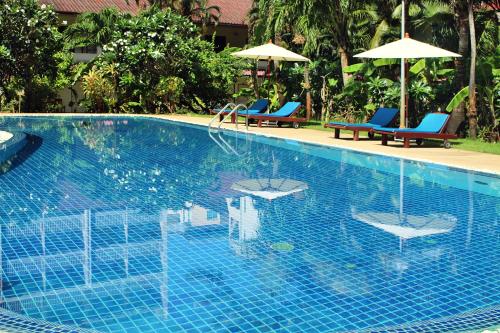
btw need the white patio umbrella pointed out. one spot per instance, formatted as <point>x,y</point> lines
<point>269,188</point>
<point>270,51</point>
<point>406,48</point>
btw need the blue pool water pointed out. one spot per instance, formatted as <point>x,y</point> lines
<point>137,225</point>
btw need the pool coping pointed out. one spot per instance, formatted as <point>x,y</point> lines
<point>298,135</point>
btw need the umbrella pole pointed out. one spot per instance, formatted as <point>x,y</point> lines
<point>402,112</point>
<point>268,75</point>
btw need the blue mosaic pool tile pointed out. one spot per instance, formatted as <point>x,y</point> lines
<point>134,225</point>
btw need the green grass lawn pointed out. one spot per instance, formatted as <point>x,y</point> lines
<point>465,144</point>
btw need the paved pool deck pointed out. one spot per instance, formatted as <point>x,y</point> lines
<point>453,157</point>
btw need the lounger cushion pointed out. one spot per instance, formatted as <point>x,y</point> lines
<point>382,117</point>
<point>352,124</point>
<point>259,106</point>
<point>432,123</point>
<point>286,110</point>
<point>249,111</point>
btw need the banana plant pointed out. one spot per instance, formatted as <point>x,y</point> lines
<point>488,89</point>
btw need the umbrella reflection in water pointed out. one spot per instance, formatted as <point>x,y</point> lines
<point>269,188</point>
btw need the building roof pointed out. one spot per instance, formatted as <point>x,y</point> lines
<point>81,6</point>
<point>233,12</point>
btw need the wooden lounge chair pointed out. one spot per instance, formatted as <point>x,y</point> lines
<point>259,106</point>
<point>381,117</point>
<point>286,114</point>
<point>433,126</point>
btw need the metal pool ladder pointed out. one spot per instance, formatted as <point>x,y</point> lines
<point>234,111</point>
<point>219,140</point>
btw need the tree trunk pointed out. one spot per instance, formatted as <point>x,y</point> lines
<point>28,93</point>
<point>324,99</point>
<point>472,77</point>
<point>344,62</point>
<point>255,81</point>
<point>407,17</point>
<point>458,114</point>
<point>307,85</point>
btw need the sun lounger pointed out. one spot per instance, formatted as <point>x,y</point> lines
<point>259,106</point>
<point>433,126</point>
<point>286,114</point>
<point>382,117</point>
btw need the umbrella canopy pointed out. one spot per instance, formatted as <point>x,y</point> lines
<point>407,48</point>
<point>270,51</point>
<point>403,49</point>
<point>269,188</point>
<point>410,226</point>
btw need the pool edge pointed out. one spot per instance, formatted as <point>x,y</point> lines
<point>169,118</point>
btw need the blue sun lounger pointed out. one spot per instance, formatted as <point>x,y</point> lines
<point>381,117</point>
<point>286,114</point>
<point>433,126</point>
<point>259,106</point>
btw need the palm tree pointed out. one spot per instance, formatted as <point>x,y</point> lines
<point>182,7</point>
<point>472,74</point>
<point>461,19</point>
<point>205,14</point>
<point>93,29</point>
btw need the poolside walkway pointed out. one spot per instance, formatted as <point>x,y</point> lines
<point>452,157</point>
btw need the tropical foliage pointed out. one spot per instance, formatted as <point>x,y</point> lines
<point>331,32</point>
<point>151,60</point>
<point>30,53</point>
<point>146,62</point>
<point>161,59</point>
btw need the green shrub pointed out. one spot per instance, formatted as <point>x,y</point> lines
<point>159,63</point>
<point>29,47</point>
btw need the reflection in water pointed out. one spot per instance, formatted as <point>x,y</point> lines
<point>69,262</point>
<point>145,226</point>
<point>244,225</point>
<point>269,188</point>
<point>409,226</point>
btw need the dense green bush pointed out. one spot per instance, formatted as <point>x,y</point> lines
<point>155,62</point>
<point>30,51</point>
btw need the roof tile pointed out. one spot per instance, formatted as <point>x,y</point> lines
<point>233,12</point>
<point>81,6</point>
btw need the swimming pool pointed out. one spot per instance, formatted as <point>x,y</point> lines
<point>137,225</point>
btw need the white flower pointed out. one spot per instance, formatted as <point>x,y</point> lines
<point>43,6</point>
